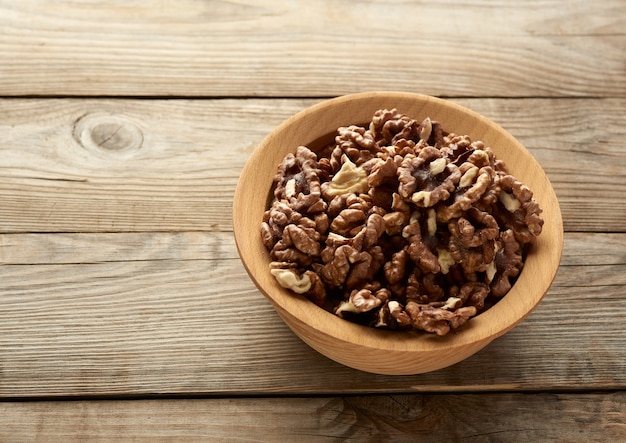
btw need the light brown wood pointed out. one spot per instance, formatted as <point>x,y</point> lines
<point>119,276</point>
<point>159,313</point>
<point>573,418</point>
<point>369,349</point>
<point>320,48</point>
<point>599,150</point>
<point>183,176</point>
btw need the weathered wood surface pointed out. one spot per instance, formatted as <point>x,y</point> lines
<point>118,257</point>
<point>597,417</point>
<point>313,48</point>
<point>162,313</point>
<point>95,165</point>
<point>118,272</point>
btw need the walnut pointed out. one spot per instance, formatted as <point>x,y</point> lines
<point>472,185</point>
<point>356,143</point>
<point>336,205</point>
<point>452,303</point>
<point>287,230</point>
<point>480,157</point>
<point>413,290</point>
<point>352,215</point>
<point>297,182</point>
<point>418,251</point>
<point>363,300</point>
<point>383,179</point>
<point>430,287</point>
<point>437,135</point>
<point>398,217</point>
<point>370,233</point>
<point>475,229</point>
<point>399,225</point>
<point>395,268</point>
<point>362,265</point>
<point>317,291</point>
<point>274,221</point>
<point>472,240</point>
<point>401,318</point>
<point>351,261</point>
<point>291,255</point>
<point>304,239</point>
<point>335,271</point>
<point>322,223</point>
<point>349,179</point>
<point>472,260</point>
<point>518,211</point>
<point>267,236</point>
<point>383,171</point>
<point>389,126</point>
<point>395,222</point>
<point>438,319</point>
<point>473,294</point>
<point>457,148</point>
<point>423,287</point>
<point>347,221</point>
<point>288,278</point>
<point>350,266</point>
<point>299,243</point>
<point>401,148</point>
<point>392,316</point>
<point>427,179</point>
<point>445,259</point>
<point>426,129</point>
<point>508,263</point>
<point>355,136</point>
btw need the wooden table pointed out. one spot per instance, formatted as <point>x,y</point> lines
<point>125,312</point>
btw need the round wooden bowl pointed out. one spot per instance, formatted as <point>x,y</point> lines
<point>362,347</point>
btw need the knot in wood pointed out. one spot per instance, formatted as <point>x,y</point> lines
<point>109,134</point>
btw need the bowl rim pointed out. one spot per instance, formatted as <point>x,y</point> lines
<point>543,258</point>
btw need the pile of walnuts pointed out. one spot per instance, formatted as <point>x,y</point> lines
<point>399,225</point>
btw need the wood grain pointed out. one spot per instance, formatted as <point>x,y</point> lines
<point>273,48</point>
<point>528,418</point>
<point>119,277</point>
<point>109,314</point>
<point>98,165</point>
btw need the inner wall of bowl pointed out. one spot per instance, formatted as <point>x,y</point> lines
<point>318,124</point>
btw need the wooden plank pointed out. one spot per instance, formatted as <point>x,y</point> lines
<point>107,165</point>
<point>175,313</point>
<point>597,417</point>
<point>172,165</point>
<point>313,48</point>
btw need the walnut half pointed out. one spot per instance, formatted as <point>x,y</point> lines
<point>289,279</point>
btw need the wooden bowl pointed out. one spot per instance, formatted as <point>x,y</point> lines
<point>362,347</point>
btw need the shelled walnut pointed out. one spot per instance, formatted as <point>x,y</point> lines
<point>399,224</point>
